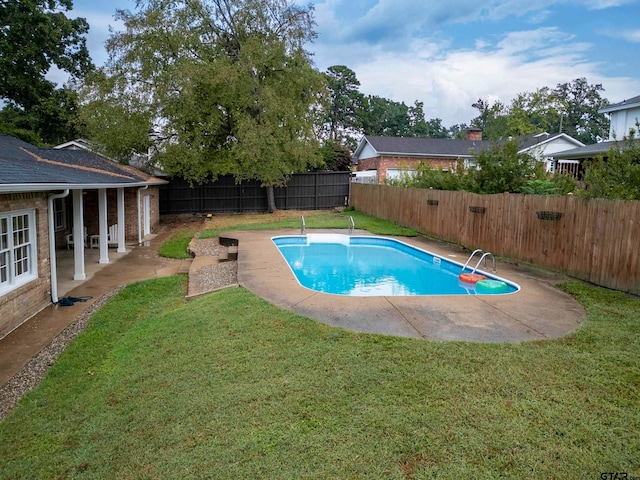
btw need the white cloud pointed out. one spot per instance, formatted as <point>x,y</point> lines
<point>603,4</point>
<point>448,82</point>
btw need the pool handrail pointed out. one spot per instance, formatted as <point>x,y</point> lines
<point>484,257</point>
<point>352,225</point>
<point>470,257</point>
<point>302,225</point>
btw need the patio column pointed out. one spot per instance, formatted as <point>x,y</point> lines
<point>102,222</point>
<point>78,237</point>
<point>121,246</point>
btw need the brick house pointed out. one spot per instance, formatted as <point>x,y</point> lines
<point>48,199</point>
<point>389,156</point>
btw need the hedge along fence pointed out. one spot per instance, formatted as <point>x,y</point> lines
<point>595,240</point>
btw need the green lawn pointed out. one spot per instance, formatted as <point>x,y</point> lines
<point>320,219</point>
<point>229,386</point>
<point>176,246</point>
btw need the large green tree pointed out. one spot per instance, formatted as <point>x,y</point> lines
<point>343,118</point>
<point>36,35</point>
<point>226,84</point>
<point>570,108</point>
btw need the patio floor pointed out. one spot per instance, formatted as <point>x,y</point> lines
<point>538,311</point>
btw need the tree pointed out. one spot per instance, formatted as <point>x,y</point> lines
<point>420,127</point>
<point>578,104</point>
<point>381,116</point>
<point>617,176</point>
<point>335,156</point>
<point>492,119</point>
<point>226,85</point>
<point>502,169</point>
<point>36,35</point>
<point>458,131</point>
<point>346,103</point>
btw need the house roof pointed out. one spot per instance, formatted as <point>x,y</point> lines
<point>527,142</point>
<point>588,151</point>
<point>25,167</point>
<point>421,147</point>
<point>447,147</point>
<point>623,105</point>
<point>597,149</point>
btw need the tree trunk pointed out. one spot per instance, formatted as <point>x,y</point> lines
<point>271,199</point>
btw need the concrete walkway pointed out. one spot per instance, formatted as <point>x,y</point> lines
<point>538,311</point>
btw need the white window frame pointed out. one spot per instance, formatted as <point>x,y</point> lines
<point>18,252</point>
<point>59,214</point>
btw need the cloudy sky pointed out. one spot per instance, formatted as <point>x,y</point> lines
<point>448,54</point>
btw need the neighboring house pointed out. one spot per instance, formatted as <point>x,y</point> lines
<point>51,197</point>
<point>542,146</point>
<point>571,162</point>
<point>623,117</point>
<point>388,157</point>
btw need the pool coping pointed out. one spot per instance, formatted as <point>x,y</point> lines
<point>538,311</point>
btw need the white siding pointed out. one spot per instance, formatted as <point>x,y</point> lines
<point>367,152</point>
<point>622,121</point>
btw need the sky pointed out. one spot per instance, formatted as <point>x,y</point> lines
<point>448,54</point>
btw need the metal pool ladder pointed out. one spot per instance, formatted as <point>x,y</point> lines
<point>302,225</point>
<point>483,256</point>
<point>352,225</point>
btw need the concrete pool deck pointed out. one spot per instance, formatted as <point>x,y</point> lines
<point>538,311</point>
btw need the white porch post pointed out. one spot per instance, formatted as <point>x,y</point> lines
<point>121,246</point>
<point>102,221</point>
<point>78,236</point>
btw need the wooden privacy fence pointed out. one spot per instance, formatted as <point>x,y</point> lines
<point>304,191</point>
<point>595,240</point>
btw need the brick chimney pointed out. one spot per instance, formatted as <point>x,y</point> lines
<point>474,133</point>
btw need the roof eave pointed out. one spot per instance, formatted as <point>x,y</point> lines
<point>618,107</point>
<point>44,187</point>
<point>425,155</point>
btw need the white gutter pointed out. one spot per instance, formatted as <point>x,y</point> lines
<point>40,187</point>
<point>139,215</point>
<point>52,246</point>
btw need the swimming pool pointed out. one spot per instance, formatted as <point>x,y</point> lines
<point>377,266</point>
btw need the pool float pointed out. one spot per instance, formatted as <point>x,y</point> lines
<point>492,285</point>
<point>471,277</point>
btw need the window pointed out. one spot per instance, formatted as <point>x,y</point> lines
<point>59,214</point>
<point>17,249</point>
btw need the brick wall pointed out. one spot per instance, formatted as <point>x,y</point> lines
<point>24,302</point>
<point>381,164</point>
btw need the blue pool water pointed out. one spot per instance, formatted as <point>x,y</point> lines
<point>375,266</point>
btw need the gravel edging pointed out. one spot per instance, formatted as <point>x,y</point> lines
<point>209,278</point>
<point>34,371</point>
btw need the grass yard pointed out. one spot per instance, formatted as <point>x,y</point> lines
<point>229,386</point>
<point>176,247</point>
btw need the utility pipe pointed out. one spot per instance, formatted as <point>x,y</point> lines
<point>52,246</point>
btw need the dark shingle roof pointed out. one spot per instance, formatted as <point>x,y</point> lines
<point>634,101</point>
<point>528,141</point>
<point>426,146</point>
<point>23,164</point>
<point>590,151</point>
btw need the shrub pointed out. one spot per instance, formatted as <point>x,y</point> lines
<point>617,177</point>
